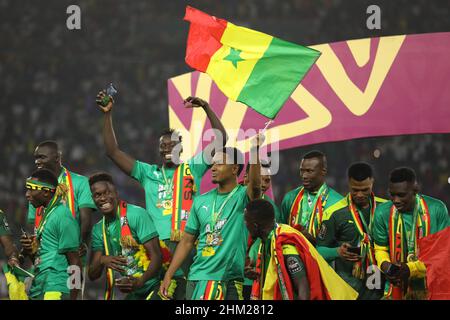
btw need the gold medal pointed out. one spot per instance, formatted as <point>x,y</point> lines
<point>208,252</point>
<point>167,204</point>
<point>411,257</point>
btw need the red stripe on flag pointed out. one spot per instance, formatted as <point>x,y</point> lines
<point>204,37</point>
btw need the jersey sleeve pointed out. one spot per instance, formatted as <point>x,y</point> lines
<point>443,219</point>
<point>198,166</point>
<point>294,264</point>
<point>380,228</point>
<point>140,170</point>
<point>84,198</point>
<point>97,238</point>
<point>31,214</point>
<point>142,225</point>
<point>193,223</point>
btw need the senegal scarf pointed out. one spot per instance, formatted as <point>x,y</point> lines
<point>15,280</point>
<point>397,238</point>
<point>316,214</point>
<point>139,261</point>
<point>66,179</point>
<point>183,191</point>
<point>324,283</point>
<point>365,232</point>
<point>66,185</point>
<point>42,212</point>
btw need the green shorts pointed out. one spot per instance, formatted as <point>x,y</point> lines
<point>214,290</point>
<point>179,291</point>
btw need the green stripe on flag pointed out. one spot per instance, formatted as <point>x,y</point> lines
<point>276,75</point>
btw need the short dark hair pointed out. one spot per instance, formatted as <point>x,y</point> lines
<point>45,175</point>
<point>49,144</point>
<point>238,157</point>
<point>100,177</point>
<point>360,171</point>
<point>262,209</point>
<point>402,174</point>
<point>170,132</point>
<point>316,154</point>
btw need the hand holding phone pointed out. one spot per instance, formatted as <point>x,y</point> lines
<point>393,271</point>
<point>355,250</point>
<point>345,252</point>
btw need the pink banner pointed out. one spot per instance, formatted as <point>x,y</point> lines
<point>358,88</point>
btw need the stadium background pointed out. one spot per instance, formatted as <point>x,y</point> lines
<point>49,77</point>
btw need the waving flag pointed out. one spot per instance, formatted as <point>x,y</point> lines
<point>434,251</point>
<point>248,66</point>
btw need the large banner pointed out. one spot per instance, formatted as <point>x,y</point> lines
<point>358,88</point>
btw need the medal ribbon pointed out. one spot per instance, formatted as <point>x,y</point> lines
<point>216,215</point>
<point>316,215</point>
<point>121,211</point>
<point>397,236</point>
<point>45,214</point>
<point>66,179</point>
<point>365,231</point>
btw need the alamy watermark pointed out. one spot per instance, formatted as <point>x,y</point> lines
<point>73,21</point>
<point>374,20</point>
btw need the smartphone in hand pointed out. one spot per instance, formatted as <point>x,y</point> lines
<point>393,270</point>
<point>355,250</point>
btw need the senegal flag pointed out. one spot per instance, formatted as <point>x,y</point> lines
<point>248,66</point>
<point>15,280</point>
<point>324,283</point>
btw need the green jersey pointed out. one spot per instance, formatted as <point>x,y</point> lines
<point>4,227</point>
<point>337,228</point>
<point>307,203</point>
<point>61,234</point>
<point>439,219</point>
<point>82,196</point>
<point>156,182</point>
<point>222,235</point>
<point>142,230</point>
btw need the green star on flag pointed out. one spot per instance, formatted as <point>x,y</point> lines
<point>234,57</point>
<point>272,70</point>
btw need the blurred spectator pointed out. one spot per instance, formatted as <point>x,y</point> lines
<point>50,76</point>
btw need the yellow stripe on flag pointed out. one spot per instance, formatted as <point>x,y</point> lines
<point>252,44</point>
<point>337,288</point>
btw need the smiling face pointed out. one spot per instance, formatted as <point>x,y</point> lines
<point>47,158</point>
<point>312,174</point>
<point>361,191</point>
<point>105,197</point>
<point>166,147</point>
<point>403,195</point>
<point>223,169</point>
